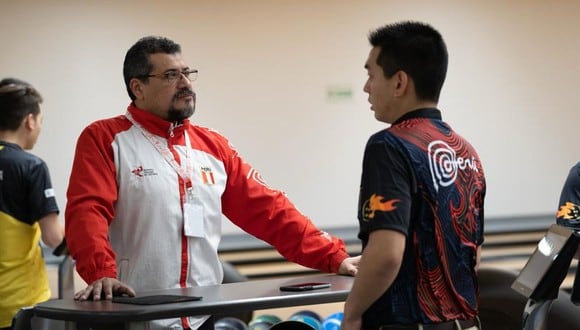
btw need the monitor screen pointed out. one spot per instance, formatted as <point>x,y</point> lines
<point>542,259</point>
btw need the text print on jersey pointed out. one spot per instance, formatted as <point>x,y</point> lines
<point>444,164</point>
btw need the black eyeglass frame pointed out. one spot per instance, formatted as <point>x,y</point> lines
<point>172,76</point>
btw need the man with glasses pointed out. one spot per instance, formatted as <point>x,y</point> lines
<point>148,190</point>
<point>28,209</point>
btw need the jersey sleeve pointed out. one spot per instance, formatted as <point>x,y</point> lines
<point>269,215</point>
<point>91,195</point>
<point>568,213</point>
<point>41,198</point>
<point>385,193</point>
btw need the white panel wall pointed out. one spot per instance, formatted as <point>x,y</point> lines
<point>265,68</point>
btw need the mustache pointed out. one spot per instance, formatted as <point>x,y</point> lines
<point>184,92</point>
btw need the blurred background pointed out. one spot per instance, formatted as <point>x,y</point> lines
<point>283,79</point>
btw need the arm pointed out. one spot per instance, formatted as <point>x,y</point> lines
<point>379,266</point>
<point>90,208</point>
<point>477,258</point>
<point>42,204</point>
<point>91,195</point>
<point>384,216</point>
<point>51,229</point>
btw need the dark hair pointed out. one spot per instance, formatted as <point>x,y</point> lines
<point>416,48</point>
<point>18,99</point>
<point>137,63</point>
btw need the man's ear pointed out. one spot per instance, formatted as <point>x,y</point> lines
<point>136,86</point>
<point>402,82</point>
<point>29,122</point>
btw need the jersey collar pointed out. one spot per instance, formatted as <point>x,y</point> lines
<point>430,113</point>
<point>10,144</point>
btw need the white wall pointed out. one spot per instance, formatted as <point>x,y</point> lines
<point>265,67</point>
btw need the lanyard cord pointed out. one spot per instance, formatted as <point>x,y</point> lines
<point>167,155</point>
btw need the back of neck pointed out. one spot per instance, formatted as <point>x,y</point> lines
<point>12,137</point>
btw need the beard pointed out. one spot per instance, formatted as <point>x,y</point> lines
<point>175,114</point>
<point>179,114</point>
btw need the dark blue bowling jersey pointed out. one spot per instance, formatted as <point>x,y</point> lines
<point>422,179</point>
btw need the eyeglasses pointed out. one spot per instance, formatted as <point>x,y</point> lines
<point>171,76</point>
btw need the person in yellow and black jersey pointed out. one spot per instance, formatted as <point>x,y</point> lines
<point>28,209</point>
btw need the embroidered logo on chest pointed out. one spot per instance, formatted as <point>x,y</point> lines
<point>141,172</point>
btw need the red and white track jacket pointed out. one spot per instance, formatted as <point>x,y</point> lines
<point>124,214</point>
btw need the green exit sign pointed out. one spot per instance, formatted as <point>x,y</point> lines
<point>339,93</point>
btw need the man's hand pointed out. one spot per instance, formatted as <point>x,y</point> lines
<point>105,286</point>
<point>349,266</point>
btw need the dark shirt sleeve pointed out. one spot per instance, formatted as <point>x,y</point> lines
<point>42,200</point>
<point>568,213</point>
<point>385,195</point>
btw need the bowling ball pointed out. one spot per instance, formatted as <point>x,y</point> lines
<point>307,313</point>
<point>309,317</point>
<point>260,326</point>
<point>264,321</point>
<point>333,321</point>
<point>230,323</point>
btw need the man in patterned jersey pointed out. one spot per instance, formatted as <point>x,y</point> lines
<point>421,198</point>
<point>28,209</point>
<point>568,214</point>
<point>148,190</point>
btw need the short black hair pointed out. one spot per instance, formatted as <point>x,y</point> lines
<point>18,99</point>
<point>417,49</point>
<point>137,65</point>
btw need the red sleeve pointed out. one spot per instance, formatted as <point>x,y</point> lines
<point>270,216</point>
<point>91,195</point>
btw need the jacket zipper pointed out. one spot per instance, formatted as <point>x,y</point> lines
<point>172,126</point>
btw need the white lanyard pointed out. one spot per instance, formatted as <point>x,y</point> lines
<point>159,144</point>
